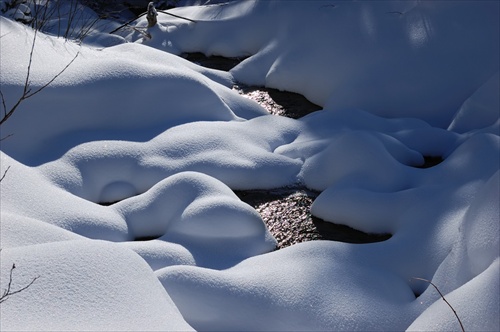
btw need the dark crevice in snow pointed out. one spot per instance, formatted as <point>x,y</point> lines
<point>136,10</point>
<point>147,238</point>
<point>213,62</point>
<point>284,103</point>
<point>430,161</point>
<point>159,5</point>
<point>108,203</point>
<point>286,213</point>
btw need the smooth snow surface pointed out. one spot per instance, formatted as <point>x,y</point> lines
<point>130,122</point>
<point>84,284</point>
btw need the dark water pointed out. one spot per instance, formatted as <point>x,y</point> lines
<point>213,62</point>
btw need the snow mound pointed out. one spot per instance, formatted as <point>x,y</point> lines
<point>84,284</point>
<point>420,56</point>
<point>153,90</point>
<point>311,281</point>
<point>481,109</point>
<point>192,209</point>
<point>203,215</point>
<point>51,204</point>
<point>475,303</point>
<point>241,154</point>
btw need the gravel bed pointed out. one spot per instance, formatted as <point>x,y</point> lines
<point>284,103</point>
<point>287,215</point>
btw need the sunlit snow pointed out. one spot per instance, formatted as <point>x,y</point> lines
<point>131,122</point>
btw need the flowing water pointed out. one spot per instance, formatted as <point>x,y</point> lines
<point>286,211</point>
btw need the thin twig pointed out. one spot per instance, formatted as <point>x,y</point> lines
<point>442,296</point>
<point>26,89</point>
<point>9,135</point>
<point>161,11</point>
<point>53,78</point>
<point>10,282</point>
<point>184,18</point>
<point>127,23</point>
<point>7,293</point>
<point>4,173</point>
<point>27,93</point>
<point>3,104</point>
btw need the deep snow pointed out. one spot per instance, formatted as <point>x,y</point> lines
<point>131,120</point>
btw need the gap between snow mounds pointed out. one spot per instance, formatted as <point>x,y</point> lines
<point>276,102</point>
<point>284,103</point>
<point>286,211</point>
<point>287,214</point>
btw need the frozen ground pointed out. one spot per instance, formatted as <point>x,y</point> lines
<point>132,121</point>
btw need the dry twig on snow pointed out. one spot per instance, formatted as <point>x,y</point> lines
<point>442,296</point>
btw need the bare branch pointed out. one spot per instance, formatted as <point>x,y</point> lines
<point>127,23</point>
<point>3,104</point>
<point>30,94</point>
<point>160,11</point>
<point>184,18</point>
<point>9,135</point>
<point>5,173</point>
<point>27,93</point>
<point>26,88</point>
<point>27,82</point>
<point>7,292</point>
<point>442,296</point>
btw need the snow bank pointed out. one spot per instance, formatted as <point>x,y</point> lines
<point>18,231</point>
<point>240,154</point>
<point>187,208</point>
<point>426,58</point>
<point>89,285</point>
<point>484,101</point>
<point>475,303</point>
<point>27,193</point>
<point>314,287</point>
<point>203,215</point>
<point>148,90</point>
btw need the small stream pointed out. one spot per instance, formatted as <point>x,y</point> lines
<point>287,214</point>
<point>286,211</point>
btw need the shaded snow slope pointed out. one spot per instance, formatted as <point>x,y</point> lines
<point>148,89</point>
<point>187,208</point>
<point>391,58</point>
